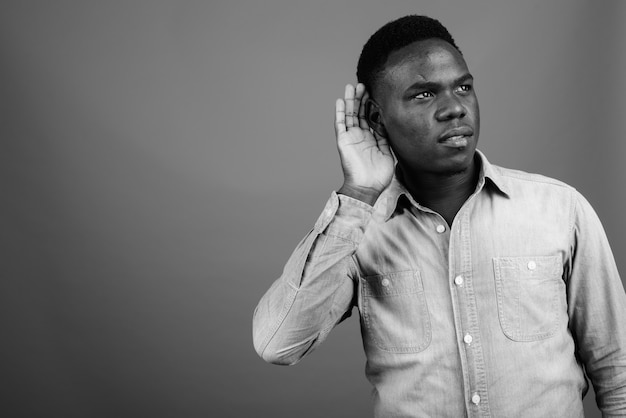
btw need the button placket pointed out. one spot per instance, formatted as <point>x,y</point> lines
<point>469,337</point>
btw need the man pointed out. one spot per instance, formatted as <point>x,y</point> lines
<point>482,291</point>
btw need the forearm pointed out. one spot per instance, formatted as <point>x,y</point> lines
<point>316,289</point>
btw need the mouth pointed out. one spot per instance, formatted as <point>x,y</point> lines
<point>457,141</point>
<point>456,137</point>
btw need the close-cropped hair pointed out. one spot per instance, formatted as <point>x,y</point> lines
<point>393,36</point>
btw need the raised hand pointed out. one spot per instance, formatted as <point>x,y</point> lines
<point>366,158</point>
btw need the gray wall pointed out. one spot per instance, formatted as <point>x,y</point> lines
<point>159,160</point>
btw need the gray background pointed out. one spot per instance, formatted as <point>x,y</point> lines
<point>159,160</point>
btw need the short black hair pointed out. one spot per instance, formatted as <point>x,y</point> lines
<point>393,36</point>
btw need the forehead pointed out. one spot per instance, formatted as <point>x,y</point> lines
<point>427,60</point>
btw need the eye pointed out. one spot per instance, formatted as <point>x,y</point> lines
<point>464,88</point>
<point>422,95</point>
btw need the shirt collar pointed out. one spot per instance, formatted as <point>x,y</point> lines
<point>389,201</point>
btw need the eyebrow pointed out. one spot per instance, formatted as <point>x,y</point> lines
<point>431,85</point>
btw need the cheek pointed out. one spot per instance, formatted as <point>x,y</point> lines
<point>473,106</point>
<point>476,117</point>
<point>411,127</point>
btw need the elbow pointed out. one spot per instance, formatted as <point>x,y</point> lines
<point>261,346</point>
<point>276,344</point>
<point>271,351</point>
<point>274,355</point>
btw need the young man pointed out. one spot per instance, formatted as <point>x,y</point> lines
<point>482,291</point>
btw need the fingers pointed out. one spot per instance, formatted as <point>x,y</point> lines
<point>351,106</point>
<point>362,118</point>
<point>351,112</point>
<point>340,116</point>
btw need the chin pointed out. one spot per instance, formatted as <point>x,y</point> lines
<point>453,173</point>
<point>460,163</point>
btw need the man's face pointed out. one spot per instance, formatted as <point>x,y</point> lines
<point>429,108</point>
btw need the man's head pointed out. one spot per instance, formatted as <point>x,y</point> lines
<point>391,37</point>
<point>421,96</point>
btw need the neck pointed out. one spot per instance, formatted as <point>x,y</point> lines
<point>444,193</point>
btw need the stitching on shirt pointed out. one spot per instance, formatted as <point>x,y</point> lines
<point>301,263</point>
<point>424,316</point>
<point>573,204</point>
<point>327,328</point>
<point>531,177</point>
<point>344,239</point>
<point>283,314</point>
<point>513,328</point>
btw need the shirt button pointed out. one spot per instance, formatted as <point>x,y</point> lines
<point>532,265</point>
<point>468,339</point>
<point>476,399</point>
<point>441,229</point>
<point>458,280</point>
<point>385,282</point>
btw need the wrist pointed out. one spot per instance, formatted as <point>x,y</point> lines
<point>364,194</point>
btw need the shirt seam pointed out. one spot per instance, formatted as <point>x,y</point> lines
<point>531,178</point>
<point>283,314</point>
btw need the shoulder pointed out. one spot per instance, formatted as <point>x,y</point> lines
<point>551,195</point>
<point>522,178</point>
<point>521,183</point>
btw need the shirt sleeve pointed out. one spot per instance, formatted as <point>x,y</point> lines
<point>317,287</point>
<point>597,310</point>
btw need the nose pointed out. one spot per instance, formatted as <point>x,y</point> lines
<point>450,107</point>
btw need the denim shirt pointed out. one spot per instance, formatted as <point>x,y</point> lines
<point>503,314</point>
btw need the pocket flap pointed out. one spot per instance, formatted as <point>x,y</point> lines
<point>399,283</point>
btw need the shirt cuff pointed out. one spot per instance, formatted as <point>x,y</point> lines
<point>344,217</point>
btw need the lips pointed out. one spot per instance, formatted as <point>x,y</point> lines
<point>455,134</point>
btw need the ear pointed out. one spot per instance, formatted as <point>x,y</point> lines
<point>374,115</point>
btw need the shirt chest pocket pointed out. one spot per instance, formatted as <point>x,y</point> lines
<point>394,312</point>
<point>531,296</point>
